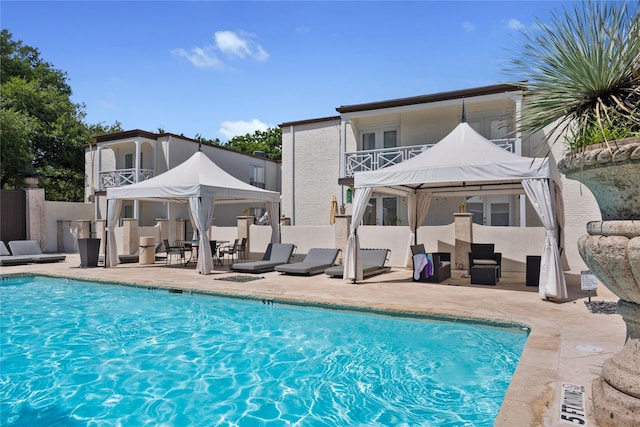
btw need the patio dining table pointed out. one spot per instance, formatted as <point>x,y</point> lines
<point>193,245</point>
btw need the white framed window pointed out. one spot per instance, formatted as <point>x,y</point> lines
<point>127,209</point>
<point>495,211</point>
<point>374,139</point>
<point>381,210</point>
<point>129,162</point>
<point>258,176</point>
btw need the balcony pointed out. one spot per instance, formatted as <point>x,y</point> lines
<point>370,160</point>
<point>121,177</point>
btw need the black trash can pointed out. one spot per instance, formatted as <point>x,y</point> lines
<point>89,250</point>
<point>533,270</point>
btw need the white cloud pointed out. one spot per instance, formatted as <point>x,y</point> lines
<point>514,24</point>
<point>468,27</point>
<point>232,44</point>
<point>241,127</point>
<point>239,44</point>
<point>200,57</point>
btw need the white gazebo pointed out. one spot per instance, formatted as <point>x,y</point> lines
<point>199,182</point>
<point>464,161</point>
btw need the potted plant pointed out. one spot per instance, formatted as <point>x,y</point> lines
<point>582,75</point>
<point>245,211</point>
<point>343,209</point>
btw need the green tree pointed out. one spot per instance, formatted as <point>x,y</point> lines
<point>269,141</point>
<point>42,132</point>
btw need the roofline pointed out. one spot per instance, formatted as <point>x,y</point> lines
<point>125,134</point>
<point>436,97</point>
<point>128,134</point>
<point>309,121</point>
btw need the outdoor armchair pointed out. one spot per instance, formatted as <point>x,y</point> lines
<point>431,267</point>
<point>484,254</point>
<point>229,250</point>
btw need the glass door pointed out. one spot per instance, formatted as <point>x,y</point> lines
<point>381,211</point>
<point>496,211</point>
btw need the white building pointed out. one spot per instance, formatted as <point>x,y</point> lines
<point>123,158</point>
<point>319,157</point>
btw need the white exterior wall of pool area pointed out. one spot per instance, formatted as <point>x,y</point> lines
<point>514,242</point>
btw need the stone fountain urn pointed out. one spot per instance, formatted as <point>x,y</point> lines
<point>611,249</point>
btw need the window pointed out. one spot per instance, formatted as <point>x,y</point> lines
<point>258,176</point>
<point>381,211</point>
<point>127,210</point>
<point>128,160</point>
<point>492,210</point>
<point>390,211</point>
<point>380,138</point>
<point>368,141</point>
<point>390,138</point>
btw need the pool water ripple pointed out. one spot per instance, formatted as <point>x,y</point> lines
<point>76,353</point>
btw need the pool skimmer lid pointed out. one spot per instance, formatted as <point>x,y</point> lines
<point>589,348</point>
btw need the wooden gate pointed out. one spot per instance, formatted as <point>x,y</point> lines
<point>13,215</point>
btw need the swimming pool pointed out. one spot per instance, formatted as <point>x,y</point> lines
<point>77,353</point>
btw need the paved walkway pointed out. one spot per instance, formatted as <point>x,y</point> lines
<point>562,347</point>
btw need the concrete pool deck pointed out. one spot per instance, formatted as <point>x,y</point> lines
<point>563,346</point>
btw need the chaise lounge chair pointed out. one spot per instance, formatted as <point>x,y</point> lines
<point>276,254</point>
<point>7,259</point>
<point>316,261</point>
<point>373,262</point>
<point>441,264</point>
<point>32,249</point>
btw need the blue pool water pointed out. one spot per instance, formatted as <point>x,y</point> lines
<point>75,354</point>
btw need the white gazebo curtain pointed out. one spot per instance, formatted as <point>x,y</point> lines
<point>552,283</point>
<point>560,223</point>
<point>353,262</point>
<point>417,206</point>
<point>113,214</point>
<point>273,209</point>
<point>201,209</point>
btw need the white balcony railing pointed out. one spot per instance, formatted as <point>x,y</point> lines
<point>370,160</point>
<point>120,177</point>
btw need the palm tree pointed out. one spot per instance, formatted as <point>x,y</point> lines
<point>582,73</point>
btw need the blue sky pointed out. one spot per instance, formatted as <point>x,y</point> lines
<point>221,69</point>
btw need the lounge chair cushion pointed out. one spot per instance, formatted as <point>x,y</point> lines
<point>7,259</point>
<point>32,249</point>
<point>373,262</point>
<point>128,259</point>
<point>279,253</point>
<point>316,261</point>
<point>4,251</point>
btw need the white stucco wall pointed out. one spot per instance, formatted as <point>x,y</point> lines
<point>63,211</point>
<point>310,172</point>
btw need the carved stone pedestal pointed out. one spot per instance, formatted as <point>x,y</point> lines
<point>612,252</point>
